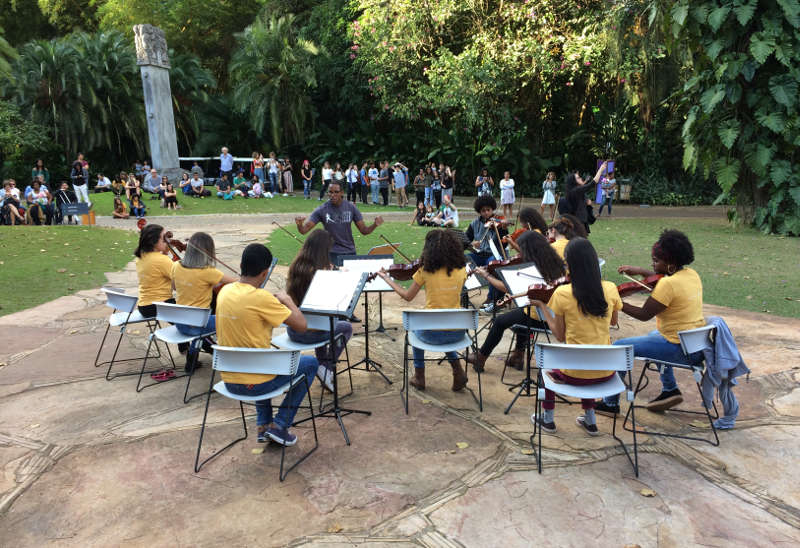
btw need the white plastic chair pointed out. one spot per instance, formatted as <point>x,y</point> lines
<point>125,313</point>
<point>176,313</point>
<point>320,323</point>
<point>585,357</point>
<point>692,341</point>
<point>440,320</point>
<point>263,361</point>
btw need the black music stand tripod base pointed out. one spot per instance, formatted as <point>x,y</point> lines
<point>369,364</point>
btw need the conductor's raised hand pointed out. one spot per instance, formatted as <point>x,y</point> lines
<point>299,220</point>
<point>378,220</point>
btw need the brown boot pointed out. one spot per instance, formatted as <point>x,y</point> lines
<point>459,376</point>
<point>418,380</point>
<point>516,359</point>
<point>477,360</point>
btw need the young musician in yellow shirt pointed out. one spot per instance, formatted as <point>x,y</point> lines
<point>676,303</point>
<point>246,316</point>
<point>154,270</point>
<point>442,274</point>
<point>195,277</point>
<point>583,311</point>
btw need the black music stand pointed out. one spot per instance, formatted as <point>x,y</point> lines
<point>367,264</point>
<point>517,278</point>
<point>335,293</point>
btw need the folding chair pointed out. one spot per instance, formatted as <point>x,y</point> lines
<point>586,357</point>
<point>176,313</point>
<point>692,341</point>
<point>264,361</point>
<point>321,323</point>
<point>440,320</point>
<point>125,313</point>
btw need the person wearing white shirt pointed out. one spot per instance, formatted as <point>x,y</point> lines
<point>352,183</point>
<point>507,194</point>
<point>373,174</point>
<point>226,164</point>
<point>103,183</point>
<point>327,175</point>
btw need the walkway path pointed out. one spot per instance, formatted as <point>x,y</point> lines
<point>90,462</point>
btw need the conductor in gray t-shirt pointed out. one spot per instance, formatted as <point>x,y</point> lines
<point>336,215</point>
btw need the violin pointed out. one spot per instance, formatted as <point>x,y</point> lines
<point>514,235</point>
<point>491,266</point>
<point>535,292</point>
<point>648,284</point>
<point>402,272</point>
<point>174,245</point>
<point>499,220</point>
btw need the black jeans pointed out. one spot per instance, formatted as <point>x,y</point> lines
<point>503,322</point>
<point>420,193</point>
<point>324,189</point>
<point>385,195</point>
<point>437,197</point>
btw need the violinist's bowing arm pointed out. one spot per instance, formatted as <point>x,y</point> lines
<point>556,323</point>
<point>497,284</point>
<point>226,279</point>
<point>649,310</point>
<point>407,294</point>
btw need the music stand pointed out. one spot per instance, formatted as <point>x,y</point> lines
<point>367,264</point>
<point>517,279</point>
<point>381,250</point>
<point>335,293</point>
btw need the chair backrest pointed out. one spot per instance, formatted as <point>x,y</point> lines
<point>696,340</point>
<point>440,319</point>
<point>587,357</point>
<point>264,361</point>
<point>186,315</point>
<point>118,300</point>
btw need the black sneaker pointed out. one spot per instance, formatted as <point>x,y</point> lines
<point>603,408</point>
<point>549,427</point>
<point>665,400</point>
<point>591,429</point>
<point>206,347</point>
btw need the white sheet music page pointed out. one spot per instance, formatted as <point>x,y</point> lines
<point>518,281</point>
<point>473,282</point>
<point>369,266</point>
<point>331,290</point>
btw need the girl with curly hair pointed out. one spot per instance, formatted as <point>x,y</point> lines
<point>442,275</point>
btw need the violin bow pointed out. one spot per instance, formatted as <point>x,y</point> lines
<point>634,280</point>
<point>213,258</point>
<point>500,241</point>
<point>403,255</point>
<point>287,232</point>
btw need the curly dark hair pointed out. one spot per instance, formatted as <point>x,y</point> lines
<point>587,282</point>
<point>483,201</point>
<point>674,247</point>
<point>570,227</point>
<point>148,238</point>
<point>533,218</point>
<point>536,249</point>
<point>443,249</point>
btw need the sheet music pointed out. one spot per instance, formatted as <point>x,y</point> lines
<point>373,264</point>
<point>518,280</point>
<point>495,252</point>
<point>473,282</point>
<point>332,291</point>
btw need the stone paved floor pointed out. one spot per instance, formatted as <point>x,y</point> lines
<point>89,462</point>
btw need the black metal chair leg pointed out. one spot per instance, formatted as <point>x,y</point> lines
<point>103,342</point>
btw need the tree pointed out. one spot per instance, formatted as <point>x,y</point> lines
<point>271,77</point>
<point>741,95</point>
<point>70,15</point>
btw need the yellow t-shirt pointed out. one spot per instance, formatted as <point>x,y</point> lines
<point>559,246</point>
<point>682,294</point>
<point>245,318</point>
<point>441,290</point>
<point>154,270</point>
<point>193,285</point>
<point>583,329</point>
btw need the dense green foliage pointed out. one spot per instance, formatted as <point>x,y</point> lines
<point>695,100</point>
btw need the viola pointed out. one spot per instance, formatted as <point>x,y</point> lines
<point>402,272</point>
<point>491,266</point>
<point>648,284</point>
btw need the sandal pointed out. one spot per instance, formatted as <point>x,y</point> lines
<point>163,375</point>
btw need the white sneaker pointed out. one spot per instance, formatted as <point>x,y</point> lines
<point>325,376</point>
<point>284,194</point>
<point>268,195</point>
<point>488,308</point>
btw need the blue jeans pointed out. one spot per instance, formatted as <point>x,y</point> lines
<point>654,345</point>
<point>323,354</point>
<point>193,331</point>
<point>288,408</point>
<point>606,202</point>
<point>306,188</point>
<point>273,181</point>
<point>428,196</point>
<point>374,188</point>
<point>259,171</point>
<point>436,337</point>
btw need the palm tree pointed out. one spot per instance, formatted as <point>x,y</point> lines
<point>271,75</point>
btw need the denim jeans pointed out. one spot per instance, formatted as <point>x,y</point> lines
<point>288,408</point>
<point>436,337</point>
<point>654,345</point>
<point>428,196</point>
<point>374,188</point>
<point>193,331</point>
<point>260,172</point>
<point>306,189</point>
<point>273,181</point>
<point>606,202</point>
<point>323,354</point>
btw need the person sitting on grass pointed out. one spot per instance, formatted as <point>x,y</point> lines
<point>419,215</point>
<point>197,187</point>
<point>186,184</point>
<point>171,197</point>
<point>246,316</point>
<point>103,184</point>
<point>137,207</point>
<point>120,209</point>
<point>582,313</point>
<point>10,205</point>
<point>240,184</point>
<point>258,190</point>
<point>118,184</point>
<point>447,215</point>
<point>224,189</point>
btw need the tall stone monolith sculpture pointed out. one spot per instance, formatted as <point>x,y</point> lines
<point>153,61</point>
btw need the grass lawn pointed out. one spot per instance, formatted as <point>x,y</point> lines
<point>740,267</point>
<point>104,205</point>
<point>42,263</point>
